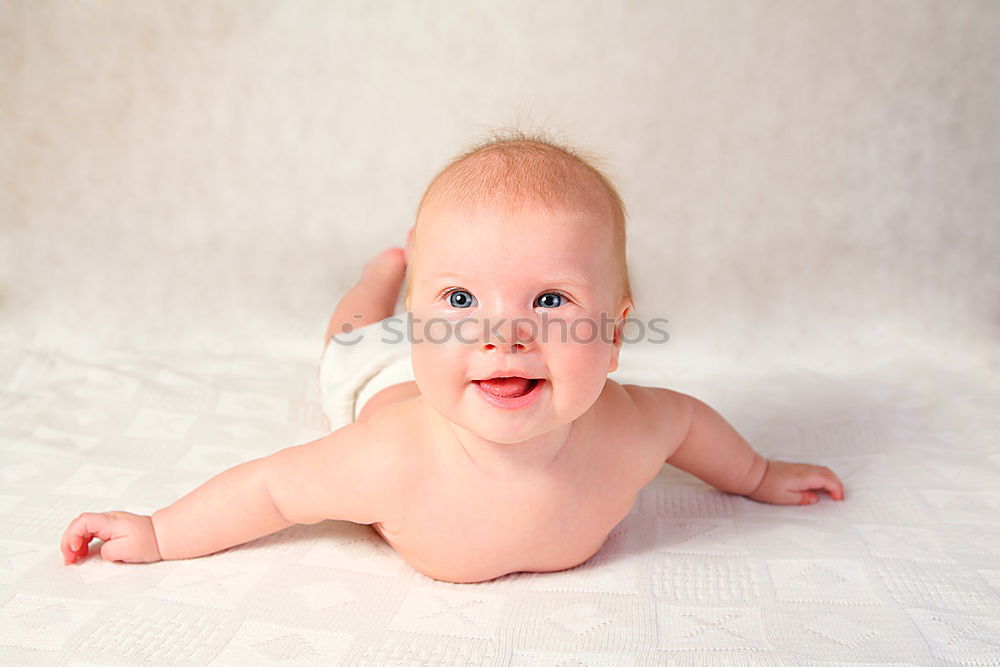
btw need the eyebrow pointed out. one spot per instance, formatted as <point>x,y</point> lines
<point>567,279</point>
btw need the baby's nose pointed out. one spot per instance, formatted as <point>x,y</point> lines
<point>510,334</point>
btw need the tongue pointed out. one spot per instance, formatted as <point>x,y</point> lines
<point>506,387</point>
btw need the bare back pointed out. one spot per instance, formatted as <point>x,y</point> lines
<point>452,522</point>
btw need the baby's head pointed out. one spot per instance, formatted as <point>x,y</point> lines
<point>518,269</point>
<point>514,170</point>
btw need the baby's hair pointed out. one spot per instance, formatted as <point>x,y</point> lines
<point>512,166</point>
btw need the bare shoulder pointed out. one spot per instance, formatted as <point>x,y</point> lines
<point>357,473</point>
<point>402,438</point>
<point>664,414</point>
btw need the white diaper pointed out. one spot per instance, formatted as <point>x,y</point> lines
<point>358,365</point>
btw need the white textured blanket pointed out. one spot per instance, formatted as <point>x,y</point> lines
<point>809,184</point>
<point>905,571</point>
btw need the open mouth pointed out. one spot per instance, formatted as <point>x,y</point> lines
<point>507,387</point>
<point>510,392</point>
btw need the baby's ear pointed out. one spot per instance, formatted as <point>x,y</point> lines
<point>621,315</point>
<point>617,342</point>
<point>615,351</point>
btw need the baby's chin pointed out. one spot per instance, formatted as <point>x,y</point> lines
<point>504,428</point>
<point>509,428</point>
<point>471,412</point>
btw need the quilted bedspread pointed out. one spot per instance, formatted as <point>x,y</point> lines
<point>905,571</point>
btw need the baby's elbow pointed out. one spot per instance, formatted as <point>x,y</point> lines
<point>293,510</point>
<point>676,415</point>
<point>287,493</point>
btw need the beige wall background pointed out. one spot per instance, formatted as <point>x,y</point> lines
<point>804,179</point>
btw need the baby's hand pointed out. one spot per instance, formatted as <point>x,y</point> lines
<point>127,537</point>
<point>796,484</point>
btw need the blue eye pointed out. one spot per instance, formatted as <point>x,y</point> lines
<point>551,300</point>
<point>460,299</point>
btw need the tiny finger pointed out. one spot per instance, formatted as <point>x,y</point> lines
<point>67,536</point>
<point>833,482</point>
<point>96,525</point>
<point>81,531</point>
<point>821,483</point>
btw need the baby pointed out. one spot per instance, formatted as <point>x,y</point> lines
<point>508,448</point>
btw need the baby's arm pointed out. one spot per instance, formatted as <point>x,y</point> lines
<point>346,475</point>
<point>231,508</point>
<point>713,451</point>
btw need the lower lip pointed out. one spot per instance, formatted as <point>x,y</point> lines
<point>512,402</point>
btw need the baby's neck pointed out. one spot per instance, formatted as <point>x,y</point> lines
<point>512,461</point>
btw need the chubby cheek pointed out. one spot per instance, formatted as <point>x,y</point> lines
<point>438,371</point>
<point>580,373</point>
